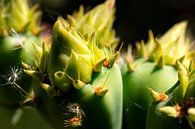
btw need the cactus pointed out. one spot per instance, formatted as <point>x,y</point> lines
<point>153,66</point>
<point>177,110</point>
<point>19,29</point>
<point>88,23</point>
<point>76,76</point>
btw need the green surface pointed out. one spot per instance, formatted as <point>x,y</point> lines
<point>136,95</point>
<point>22,118</point>
<point>100,112</point>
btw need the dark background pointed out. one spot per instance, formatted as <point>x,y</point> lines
<point>133,17</point>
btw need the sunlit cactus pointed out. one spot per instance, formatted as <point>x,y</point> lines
<point>152,66</point>
<point>89,22</point>
<point>177,111</point>
<point>74,81</point>
<point>77,83</point>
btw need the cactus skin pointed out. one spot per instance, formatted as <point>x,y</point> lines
<point>162,121</point>
<point>76,70</point>
<point>136,98</point>
<point>11,57</point>
<point>19,30</point>
<point>152,67</point>
<point>100,112</point>
<point>180,104</point>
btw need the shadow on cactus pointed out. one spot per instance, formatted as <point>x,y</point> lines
<point>19,29</point>
<point>152,66</point>
<point>177,110</point>
<point>77,83</point>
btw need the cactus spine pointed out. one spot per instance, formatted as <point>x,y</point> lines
<point>177,111</point>
<point>153,67</point>
<point>19,29</point>
<point>74,85</point>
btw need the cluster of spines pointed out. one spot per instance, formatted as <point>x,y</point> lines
<point>19,16</point>
<point>166,50</point>
<point>183,103</point>
<point>90,22</point>
<point>75,115</point>
<point>79,55</point>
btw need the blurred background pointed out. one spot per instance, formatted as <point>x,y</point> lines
<point>133,20</point>
<point>133,17</point>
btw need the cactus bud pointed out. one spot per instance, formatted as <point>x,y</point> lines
<point>171,111</point>
<point>191,114</point>
<point>61,81</point>
<point>158,97</point>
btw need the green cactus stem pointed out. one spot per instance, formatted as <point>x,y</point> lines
<point>178,110</point>
<point>77,82</point>
<point>153,66</point>
<point>19,29</point>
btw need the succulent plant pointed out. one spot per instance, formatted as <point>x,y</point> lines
<point>177,110</point>
<point>88,23</point>
<point>73,80</point>
<point>77,83</point>
<point>152,66</point>
<point>19,29</point>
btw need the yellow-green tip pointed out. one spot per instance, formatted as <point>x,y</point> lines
<point>172,46</point>
<point>20,16</point>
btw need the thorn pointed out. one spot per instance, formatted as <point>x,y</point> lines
<point>160,64</point>
<point>183,77</point>
<point>158,97</point>
<point>100,91</point>
<point>143,51</point>
<point>49,89</point>
<point>121,46</point>
<point>24,93</point>
<point>157,52</point>
<point>14,75</point>
<point>129,56</point>
<point>191,65</point>
<point>138,48</point>
<point>29,101</point>
<point>78,84</point>
<point>182,59</point>
<point>37,49</point>
<point>181,67</point>
<point>132,67</point>
<point>98,65</point>
<point>151,36</point>
<point>26,66</point>
<point>34,74</point>
<point>113,58</point>
<point>118,54</point>
<point>71,20</point>
<point>171,111</point>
